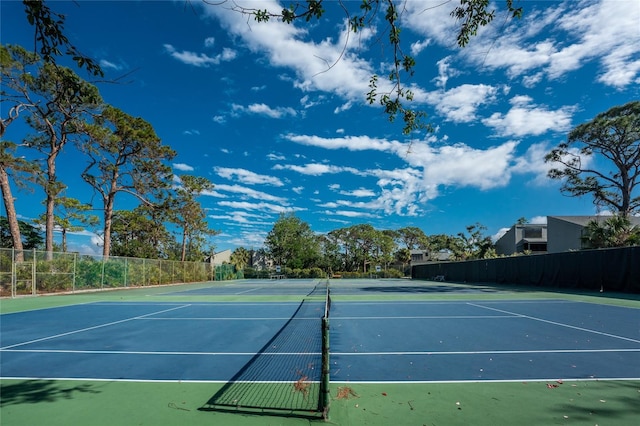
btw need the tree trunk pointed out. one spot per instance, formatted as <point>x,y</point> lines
<point>49,224</point>
<point>52,189</point>
<point>108,216</point>
<point>184,244</point>
<point>12,217</point>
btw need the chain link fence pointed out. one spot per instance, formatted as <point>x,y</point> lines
<point>33,272</point>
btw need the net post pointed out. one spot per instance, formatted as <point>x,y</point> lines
<point>326,368</point>
<point>325,392</point>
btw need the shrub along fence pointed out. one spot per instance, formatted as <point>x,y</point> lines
<point>39,272</point>
<point>615,269</point>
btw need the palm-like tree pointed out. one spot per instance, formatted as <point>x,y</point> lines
<point>616,231</point>
<point>240,258</point>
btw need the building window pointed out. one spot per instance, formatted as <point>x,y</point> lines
<point>532,232</point>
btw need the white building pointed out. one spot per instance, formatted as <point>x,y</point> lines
<point>520,238</point>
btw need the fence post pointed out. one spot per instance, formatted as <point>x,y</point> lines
<point>125,271</point>
<point>13,273</point>
<point>34,292</point>
<point>75,266</point>
<point>102,275</point>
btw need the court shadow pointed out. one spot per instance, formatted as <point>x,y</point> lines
<point>35,391</point>
<point>440,288</point>
<point>617,402</point>
<point>283,378</point>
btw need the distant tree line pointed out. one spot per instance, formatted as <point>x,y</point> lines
<point>292,244</point>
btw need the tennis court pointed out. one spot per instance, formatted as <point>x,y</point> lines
<point>251,352</point>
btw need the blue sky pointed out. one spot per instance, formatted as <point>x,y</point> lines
<point>254,108</point>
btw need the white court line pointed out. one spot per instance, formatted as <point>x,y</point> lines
<point>197,304</point>
<point>137,304</point>
<point>90,328</point>
<point>102,379</point>
<point>249,291</point>
<point>523,380</point>
<point>449,302</point>
<point>349,382</point>
<point>424,317</point>
<point>228,319</point>
<point>46,308</point>
<point>393,353</point>
<point>181,353</point>
<point>496,352</point>
<point>559,323</point>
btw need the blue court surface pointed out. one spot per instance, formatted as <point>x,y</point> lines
<point>371,341</point>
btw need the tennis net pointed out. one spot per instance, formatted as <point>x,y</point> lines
<point>291,371</point>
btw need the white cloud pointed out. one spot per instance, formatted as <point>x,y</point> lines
<point>183,167</point>
<point>213,193</point>
<point>249,238</point>
<point>329,205</point>
<point>620,69</point>
<point>403,191</point>
<point>209,42</point>
<point>607,30</point>
<point>330,65</point>
<point>495,237</point>
<point>110,65</point>
<point>316,169</point>
<point>250,193</point>
<point>460,103</point>
<point>604,32</point>
<point>444,72</point>
<point>200,59</point>
<point>418,47</point>
<point>462,165</point>
<point>97,240</point>
<point>525,118</point>
<point>532,162</point>
<point>240,217</point>
<point>530,81</point>
<point>276,157</point>
<point>247,177</point>
<point>227,55</point>
<point>344,107</point>
<point>348,213</point>
<point>265,207</point>
<point>360,192</point>
<point>539,220</point>
<point>352,143</point>
<point>431,18</point>
<point>263,109</point>
<point>307,102</point>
